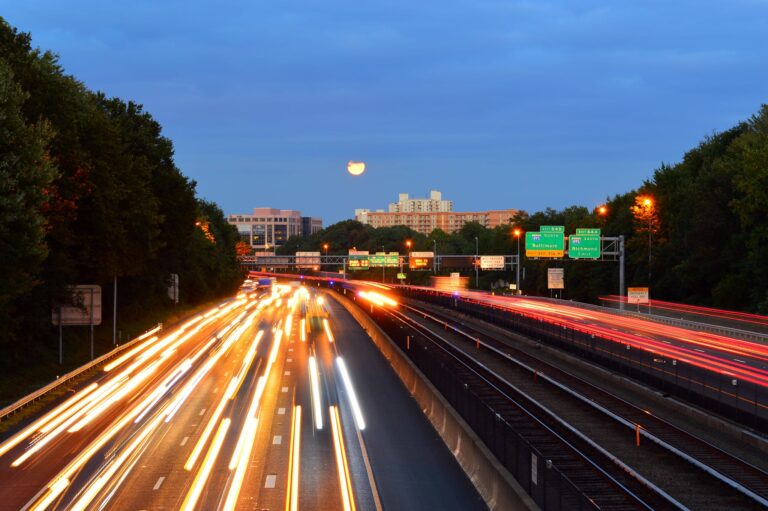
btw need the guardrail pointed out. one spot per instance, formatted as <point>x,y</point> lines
<point>21,403</point>
<point>736,333</point>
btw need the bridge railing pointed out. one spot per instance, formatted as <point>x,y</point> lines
<point>62,380</point>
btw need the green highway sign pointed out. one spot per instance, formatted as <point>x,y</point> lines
<point>358,262</point>
<point>550,242</point>
<point>401,276</point>
<point>591,231</point>
<point>584,246</point>
<point>388,260</point>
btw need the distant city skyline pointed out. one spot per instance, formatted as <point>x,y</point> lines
<point>521,105</point>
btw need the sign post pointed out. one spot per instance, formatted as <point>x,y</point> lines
<point>82,308</point>
<point>638,295</point>
<point>556,278</point>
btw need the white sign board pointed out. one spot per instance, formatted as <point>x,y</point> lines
<point>358,252</point>
<point>307,259</point>
<point>416,255</point>
<point>492,262</point>
<point>173,287</point>
<point>83,307</point>
<point>637,295</point>
<point>556,278</point>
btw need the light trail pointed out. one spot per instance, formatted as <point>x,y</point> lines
<point>317,403</point>
<point>355,405</point>
<point>201,478</point>
<point>294,458</point>
<point>345,482</point>
<point>327,328</point>
<point>240,461</point>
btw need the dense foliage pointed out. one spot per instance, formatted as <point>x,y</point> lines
<point>89,191</point>
<point>708,224</point>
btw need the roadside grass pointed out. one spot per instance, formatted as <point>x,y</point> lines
<point>15,383</point>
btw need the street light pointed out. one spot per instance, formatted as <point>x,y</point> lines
<point>602,210</point>
<point>408,247</point>
<point>517,232</point>
<point>477,263</point>
<point>648,204</point>
<point>325,247</point>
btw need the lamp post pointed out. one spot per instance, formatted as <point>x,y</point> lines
<point>383,262</point>
<point>408,246</point>
<point>325,247</point>
<point>518,232</point>
<point>477,263</point>
<point>648,203</point>
<point>434,262</point>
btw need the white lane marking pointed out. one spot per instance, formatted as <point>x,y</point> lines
<point>285,389</point>
<point>281,411</point>
<point>290,349</point>
<point>216,390</point>
<point>270,481</point>
<point>193,425</point>
<point>159,483</point>
<point>184,441</point>
<point>277,440</point>
<point>739,360</point>
<point>202,411</point>
<point>289,360</point>
<point>287,373</point>
<point>700,351</point>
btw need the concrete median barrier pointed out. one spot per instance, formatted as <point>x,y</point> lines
<point>498,488</point>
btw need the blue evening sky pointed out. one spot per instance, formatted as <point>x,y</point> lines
<point>499,104</point>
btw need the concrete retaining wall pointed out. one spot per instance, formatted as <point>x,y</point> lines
<point>494,483</point>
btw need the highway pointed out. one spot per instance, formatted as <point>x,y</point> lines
<point>277,401</point>
<point>742,359</point>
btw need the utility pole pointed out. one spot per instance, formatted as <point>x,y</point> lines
<point>383,263</point>
<point>518,265</point>
<point>477,263</point>
<point>114,313</point>
<point>621,272</point>
<point>434,264</point>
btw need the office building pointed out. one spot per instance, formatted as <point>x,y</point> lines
<point>267,228</point>
<point>426,215</point>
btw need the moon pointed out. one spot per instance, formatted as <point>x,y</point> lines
<point>355,167</point>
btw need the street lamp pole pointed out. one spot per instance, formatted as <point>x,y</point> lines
<point>477,263</point>
<point>517,235</point>
<point>434,263</point>
<point>383,263</point>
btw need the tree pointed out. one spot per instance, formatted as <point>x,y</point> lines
<point>26,173</point>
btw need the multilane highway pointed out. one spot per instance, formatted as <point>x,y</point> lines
<point>265,402</point>
<point>741,359</point>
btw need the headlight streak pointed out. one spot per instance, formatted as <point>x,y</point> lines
<point>205,469</point>
<point>356,410</point>
<point>294,458</point>
<point>240,461</point>
<point>211,424</point>
<point>65,409</point>
<point>377,298</point>
<point>327,328</point>
<point>317,403</point>
<point>59,483</point>
<point>98,484</point>
<point>303,328</point>
<point>345,482</point>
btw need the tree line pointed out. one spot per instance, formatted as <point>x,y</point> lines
<point>90,192</point>
<point>707,217</point>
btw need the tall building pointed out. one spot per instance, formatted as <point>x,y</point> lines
<point>435,202</point>
<point>425,223</point>
<point>267,228</point>
<point>426,215</point>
